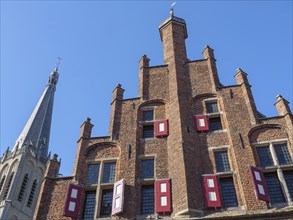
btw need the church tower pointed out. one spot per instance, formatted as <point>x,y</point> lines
<point>22,168</point>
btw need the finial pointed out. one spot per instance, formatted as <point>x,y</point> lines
<point>172,9</point>
<point>58,63</point>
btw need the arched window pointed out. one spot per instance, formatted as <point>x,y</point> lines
<point>7,187</point>
<point>23,188</point>
<point>2,182</point>
<point>32,194</point>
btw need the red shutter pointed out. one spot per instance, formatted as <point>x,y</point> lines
<point>118,197</point>
<point>259,183</point>
<point>201,123</point>
<point>161,128</point>
<point>211,188</point>
<point>72,203</point>
<point>163,195</point>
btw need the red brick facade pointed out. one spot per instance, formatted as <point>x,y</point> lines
<point>178,91</point>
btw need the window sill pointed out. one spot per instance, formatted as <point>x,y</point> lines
<point>147,181</point>
<point>226,173</point>
<point>146,216</point>
<point>279,205</point>
<point>107,184</point>
<point>218,131</point>
<point>290,165</point>
<point>238,208</point>
<point>214,114</point>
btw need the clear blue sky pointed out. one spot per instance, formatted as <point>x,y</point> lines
<point>101,43</point>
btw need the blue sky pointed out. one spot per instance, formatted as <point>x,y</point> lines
<point>101,43</point>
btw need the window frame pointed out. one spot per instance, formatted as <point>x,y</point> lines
<point>223,194</point>
<point>223,165</point>
<point>212,115</point>
<point>281,168</point>
<point>149,124</point>
<point>146,186</point>
<point>100,186</point>
<point>141,166</point>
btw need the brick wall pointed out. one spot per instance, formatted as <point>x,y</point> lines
<point>177,91</point>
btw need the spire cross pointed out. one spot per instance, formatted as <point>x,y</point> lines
<point>172,9</point>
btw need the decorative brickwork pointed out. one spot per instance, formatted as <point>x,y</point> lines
<point>179,92</point>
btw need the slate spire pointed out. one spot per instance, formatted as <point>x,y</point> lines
<point>36,133</point>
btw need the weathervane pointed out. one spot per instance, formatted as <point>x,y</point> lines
<point>59,62</point>
<point>172,9</point>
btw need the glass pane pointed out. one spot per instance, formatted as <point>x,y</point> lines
<point>109,173</point>
<point>212,107</point>
<point>222,161</point>
<point>93,174</point>
<point>283,154</point>
<point>148,131</point>
<point>212,196</point>
<point>288,175</point>
<point>274,188</point>
<point>89,206</point>
<point>163,201</point>
<point>215,124</point>
<point>147,169</point>
<point>147,202</point>
<point>228,192</point>
<point>148,115</point>
<point>106,205</point>
<point>163,187</point>
<point>264,156</point>
<point>210,183</point>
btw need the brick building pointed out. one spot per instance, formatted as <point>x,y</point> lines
<point>187,146</point>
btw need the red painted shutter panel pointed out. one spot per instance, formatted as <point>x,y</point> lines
<point>161,128</point>
<point>211,189</point>
<point>201,123</point>
<point>163,195</point>
<point>72,203</point>
<point>118,197</point>
<point>259,183</point>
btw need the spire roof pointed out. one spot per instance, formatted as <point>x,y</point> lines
<point>36,133</point>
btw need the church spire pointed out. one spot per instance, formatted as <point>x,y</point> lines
<point>36,133</point>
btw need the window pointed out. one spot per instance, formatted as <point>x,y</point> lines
<point>283,154</point>
<point>275,154</point>
<point>23,188</point>
<point>148,123</point>
<point>93,174</point>
<point>32,194</point>
<point>147,168</point>
<point>288,175</point>
<point>147,199</point>
<point>215,124</point>
<point>102,176</point>
<point>89,206</point>
<point>264,156</point>
<point>148,115</point>
<point>106,204</point>
<point>274,188</point>
<point>228,194</point>
<point>212,107</point>
<point>2,182</point>
<point>148,131</point>
<point>109,173</point>
<point>222,161</point>
<point>6,189</point>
